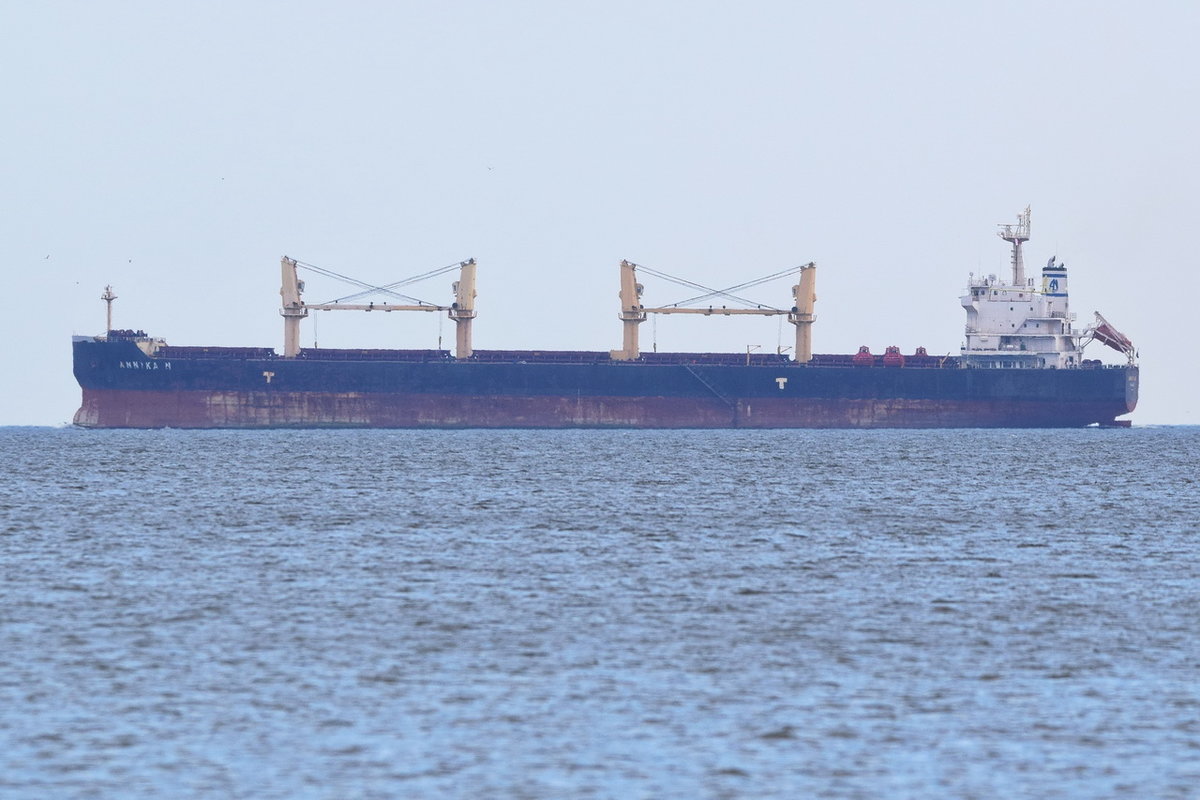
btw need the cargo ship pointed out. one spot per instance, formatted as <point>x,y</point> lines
<point>1021,365</point>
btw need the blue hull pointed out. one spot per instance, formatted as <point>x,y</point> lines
<point>250,387</point>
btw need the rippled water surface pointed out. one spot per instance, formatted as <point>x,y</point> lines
<point>539,614</point>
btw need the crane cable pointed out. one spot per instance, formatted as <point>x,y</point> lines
<point>369,289</point>
<point>414,279</point>
<point>711,292</point>
<point>746,285</point>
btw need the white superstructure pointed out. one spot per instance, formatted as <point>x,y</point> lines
<point>1025,323</point>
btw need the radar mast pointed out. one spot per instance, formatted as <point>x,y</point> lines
<point>1017,235</point>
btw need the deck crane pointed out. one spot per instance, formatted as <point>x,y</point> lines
<point>634,313</point>
<point>461,311</point>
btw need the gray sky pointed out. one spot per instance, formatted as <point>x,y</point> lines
<point>177,150</point>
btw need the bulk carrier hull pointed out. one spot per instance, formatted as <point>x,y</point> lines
<point>123,387</point>
<point>1022,366</point>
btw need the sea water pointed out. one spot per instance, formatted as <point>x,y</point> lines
<point>600,614</point>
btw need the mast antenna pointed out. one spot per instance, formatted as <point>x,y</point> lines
<point>108,298</point>
<point>1017,235</point>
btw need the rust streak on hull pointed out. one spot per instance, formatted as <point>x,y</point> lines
<point>274,409</point>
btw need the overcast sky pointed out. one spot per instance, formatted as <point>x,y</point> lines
<point>177,150</point>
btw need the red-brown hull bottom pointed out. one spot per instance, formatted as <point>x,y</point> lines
<point>109,408</point>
